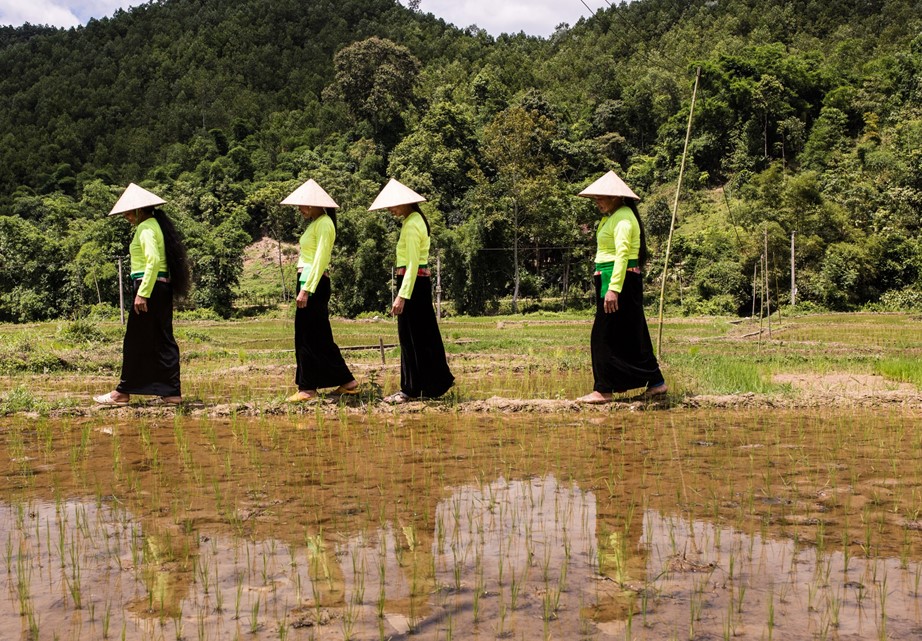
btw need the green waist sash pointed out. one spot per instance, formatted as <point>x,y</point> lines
<point>606,270</point>
<point>137,275</point>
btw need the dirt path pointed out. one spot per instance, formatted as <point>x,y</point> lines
<point>808,392</point>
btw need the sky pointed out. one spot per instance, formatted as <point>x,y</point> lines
<point>534,17</point>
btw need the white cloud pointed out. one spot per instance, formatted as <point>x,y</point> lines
<point>51,12</point>
<point>58,13</point>
<point>87,9</point>
<point>534,17</point>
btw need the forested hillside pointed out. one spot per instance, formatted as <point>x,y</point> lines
<point>808,121</point>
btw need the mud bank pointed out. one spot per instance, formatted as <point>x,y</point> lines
<point>900,399</point>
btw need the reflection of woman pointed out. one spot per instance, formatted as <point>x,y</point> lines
<point>423,366</point>
<point>320,363</point>
<point>159,269</point>
<point>622,353</point>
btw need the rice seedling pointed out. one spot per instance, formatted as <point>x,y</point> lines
<point>200,627</point>
<point>740,596</point>
<point>178,625</point>
<point>254,616</point>
<point>770,623</point>
<point>514,587</point>
<point>238,597</point>
<point>106,620</point>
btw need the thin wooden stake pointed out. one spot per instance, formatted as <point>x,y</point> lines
<point>121,292</point>
<point>793,283</point>
<point>675,208</point>
<point>438,285</point>
<point>282,272</point>
<point>755,275</point>
<point>777,288</point>
<point>381,347</point>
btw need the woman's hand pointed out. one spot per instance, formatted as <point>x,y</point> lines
<point>302,298</point>
<point>397,307</point>
<point>611,302</point>
<point>140,304</point>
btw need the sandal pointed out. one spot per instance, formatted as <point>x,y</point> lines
<point>171,400</point>
<point>302,396</point>
<point>108,399</point>
<point>656,391</point>
<point>345,391</point>
<point>396,398</point>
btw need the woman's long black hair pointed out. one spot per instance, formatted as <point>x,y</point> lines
<point>631,204</point>
<point>419,211</point>
<point>176,258</point>
<point>329,211</point>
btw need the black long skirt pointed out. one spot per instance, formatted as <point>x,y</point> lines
<point>150,355</point>
<point>320,363</point>
<point>622,352</point>
<point>423,366</point>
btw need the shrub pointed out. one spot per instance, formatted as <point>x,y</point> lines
<point>908,299</point>
<point>81,330</point>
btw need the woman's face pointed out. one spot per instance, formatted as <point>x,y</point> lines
<point>309,211</point>
<point>607,204</point>
<point>136,216</point>
<point>400,211</point>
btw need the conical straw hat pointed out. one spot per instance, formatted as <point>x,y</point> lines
<point>135,197</point>
<point>393,194</point>
<point>311,194</point>
<point>609,185</point>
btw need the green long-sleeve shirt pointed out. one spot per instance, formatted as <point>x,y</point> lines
<point>316,249</point>
<point>148,255</point>
<point>412,251</point>
<point>618,240</point>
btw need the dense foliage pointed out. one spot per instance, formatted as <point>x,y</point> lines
<point>808,121</point>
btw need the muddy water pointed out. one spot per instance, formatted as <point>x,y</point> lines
<point>653,525</point>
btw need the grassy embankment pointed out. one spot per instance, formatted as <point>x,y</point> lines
<point>60,364</point>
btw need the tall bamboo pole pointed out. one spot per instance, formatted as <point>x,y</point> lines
<point>768,297</point>
<point>675,208</point>
<point>761,298</point>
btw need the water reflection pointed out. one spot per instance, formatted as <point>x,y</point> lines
<point>707,579</point>
<point>523,558</point>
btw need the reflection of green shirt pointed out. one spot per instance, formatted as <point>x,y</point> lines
<point>618,239</point>
<point>148,255</point>
<point>316,249</point>
<point>412,251</point>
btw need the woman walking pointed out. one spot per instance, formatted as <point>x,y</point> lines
<point>622,352</point>
<point>320,363</point>
<point>423,367</point>
<point>159,271</point>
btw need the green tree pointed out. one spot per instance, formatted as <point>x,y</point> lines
<point>442,155</point>
<point>375,79</point>
<point>29,272</point>
<point>517,144</point>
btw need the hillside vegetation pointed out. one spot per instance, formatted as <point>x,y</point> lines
<point>808,121</point>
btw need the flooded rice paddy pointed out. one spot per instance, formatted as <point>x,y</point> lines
<point>627,525</point>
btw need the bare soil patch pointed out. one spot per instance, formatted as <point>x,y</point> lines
<point>839,383</point>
